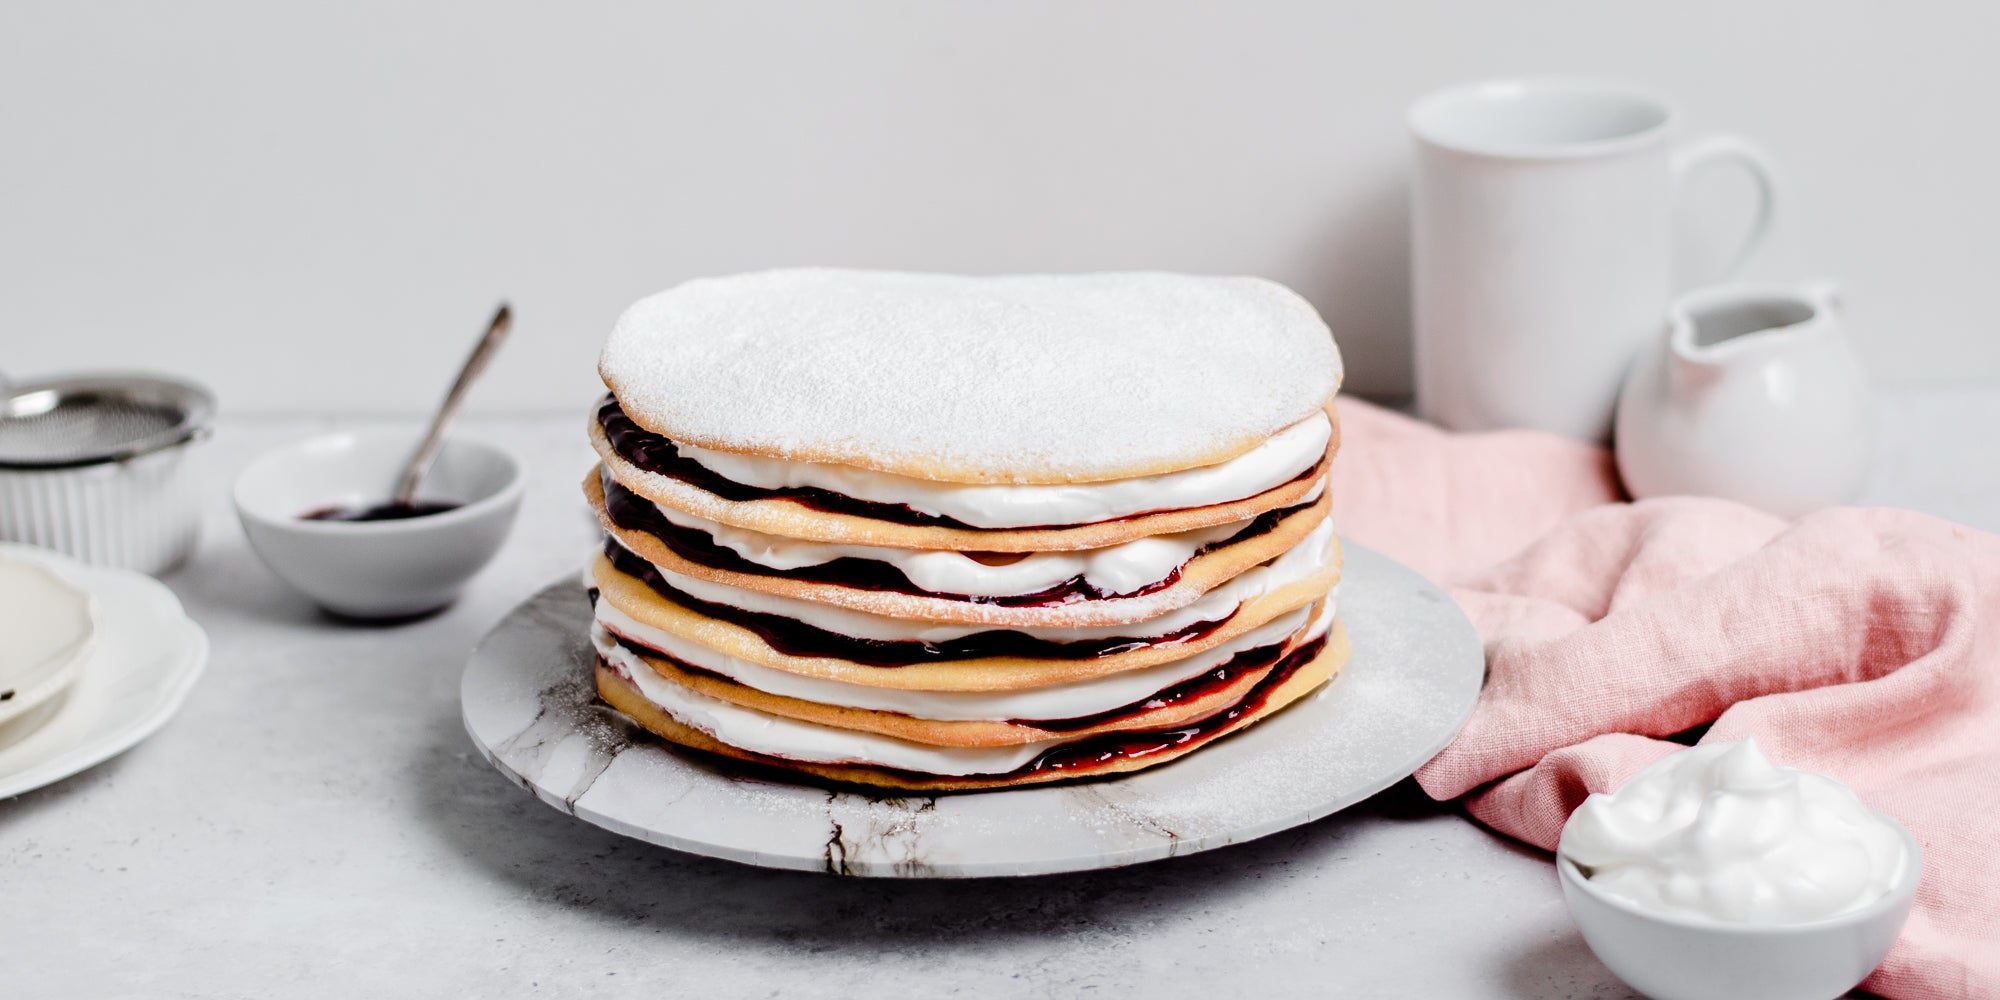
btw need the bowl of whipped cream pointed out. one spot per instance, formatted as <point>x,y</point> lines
<point>1716,874</point>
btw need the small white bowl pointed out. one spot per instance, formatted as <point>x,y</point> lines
<point>377,569</point>
<point>1685,958</point>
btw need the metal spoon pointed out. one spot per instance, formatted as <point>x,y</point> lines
<point>426,453</point>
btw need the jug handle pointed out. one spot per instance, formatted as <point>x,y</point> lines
<point>1734,148</point>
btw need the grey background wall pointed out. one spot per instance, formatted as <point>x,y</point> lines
<point>315,209</point>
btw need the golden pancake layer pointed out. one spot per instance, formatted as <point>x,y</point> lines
<point>1041,604</point>
<point>1011,379</point>
<point>1159,750</point>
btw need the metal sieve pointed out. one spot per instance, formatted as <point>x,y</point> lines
<point>97,466</point>
<point>87,420</point>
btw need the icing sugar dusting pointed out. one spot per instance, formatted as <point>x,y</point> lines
<point>1003,379</point>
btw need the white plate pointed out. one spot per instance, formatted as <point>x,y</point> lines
<point>46,631</point>
<point>146,657</point>
<point>532,709</point>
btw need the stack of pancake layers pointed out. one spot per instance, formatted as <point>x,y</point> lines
<point>933,533</point>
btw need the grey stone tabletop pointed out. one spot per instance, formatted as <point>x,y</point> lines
<point>316,823</point>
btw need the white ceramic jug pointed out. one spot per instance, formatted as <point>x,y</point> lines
<point>1753,394</point>
<point>1541,246</point>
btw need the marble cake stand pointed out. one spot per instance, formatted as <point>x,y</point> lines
<point>531,708</point>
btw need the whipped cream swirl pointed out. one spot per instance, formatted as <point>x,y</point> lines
<point>1721,833</point>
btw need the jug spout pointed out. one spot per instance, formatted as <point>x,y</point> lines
<point>1690,371</point>
<point>1823,294</point>
<point>1693,363</point>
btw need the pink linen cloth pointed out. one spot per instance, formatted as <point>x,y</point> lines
<point>1864,644</point>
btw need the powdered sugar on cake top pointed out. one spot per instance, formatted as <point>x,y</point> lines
<point>1030,378</point>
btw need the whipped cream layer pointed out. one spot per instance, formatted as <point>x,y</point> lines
<point>1281,458</point>
<point>777,736</point>
<point>792,739</point>
<point>1069,700</point>
<point>1114,570</point>
<point>1302,561</point>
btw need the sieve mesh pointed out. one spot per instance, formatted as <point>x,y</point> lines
<point>76,424</point>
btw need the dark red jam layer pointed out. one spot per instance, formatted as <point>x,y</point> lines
<point>633,512</point>
<point>1092,752</point>
<point>1195,688</point>
<point>387,510</point>
<point>1095,751</point>
<point>796,638</point>
<point>655,453</point>
<point>1192,689</point>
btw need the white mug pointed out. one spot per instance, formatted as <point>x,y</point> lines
<point>1541,246</point>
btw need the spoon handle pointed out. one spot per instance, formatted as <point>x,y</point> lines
<point>426,453</point>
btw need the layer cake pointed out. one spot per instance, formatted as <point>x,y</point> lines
<point>934,533</point>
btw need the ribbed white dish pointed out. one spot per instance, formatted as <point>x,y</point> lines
<point>141,514</point>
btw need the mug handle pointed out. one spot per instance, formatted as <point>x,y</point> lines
<point>1743,152</point>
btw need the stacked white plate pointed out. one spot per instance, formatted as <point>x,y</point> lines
<point>47,628</point>
<point>92,660</point>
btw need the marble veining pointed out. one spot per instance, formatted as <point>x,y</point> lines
<point>887,830</point>
<point>531,706</point>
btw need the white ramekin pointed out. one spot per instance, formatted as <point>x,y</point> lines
<point>1670,957</point>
